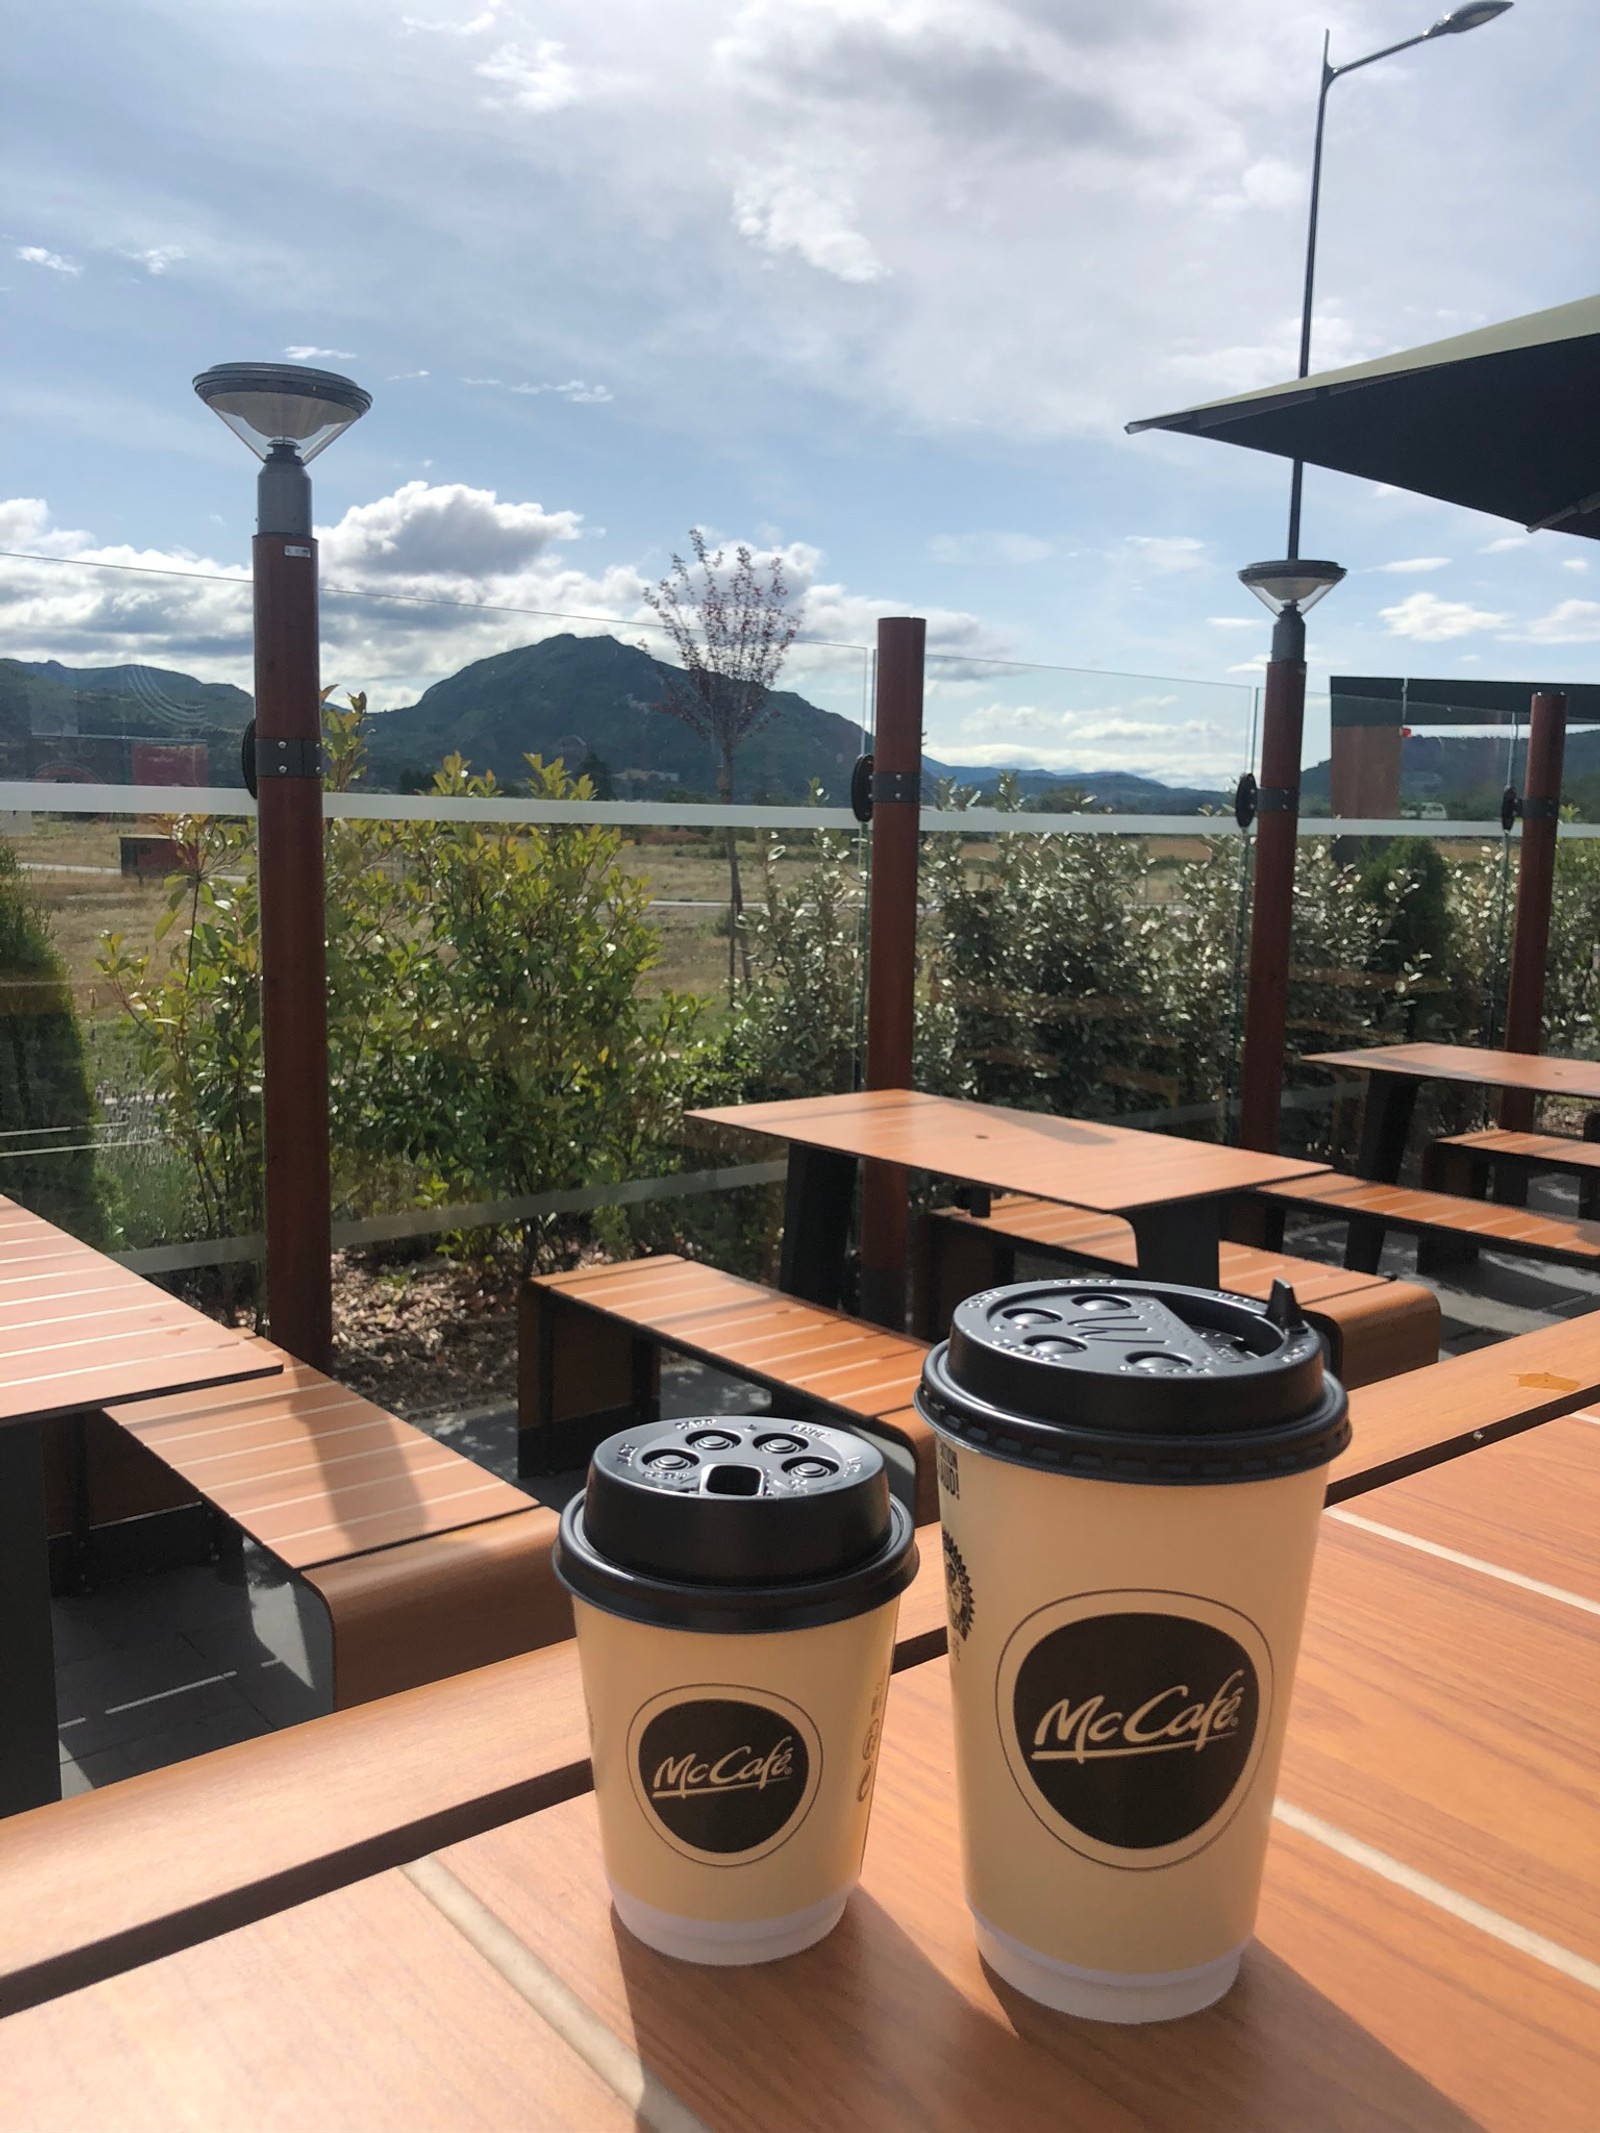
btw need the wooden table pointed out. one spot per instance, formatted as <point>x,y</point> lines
<point>76,1331</point>
<point>1426,1954</point>
<point>1171,1191</point>
<point>1395,1072</point>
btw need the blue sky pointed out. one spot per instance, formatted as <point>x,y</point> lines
<point>876,282</point>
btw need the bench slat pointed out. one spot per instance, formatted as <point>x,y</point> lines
<point>1406,1207</point>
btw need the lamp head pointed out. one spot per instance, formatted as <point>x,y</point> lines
<point>1471,17</point>
<point>1299,582</point>
<point>282,410</point>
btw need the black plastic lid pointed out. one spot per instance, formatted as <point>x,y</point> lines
<point>736,1523</point>
<point>1129,1380</point>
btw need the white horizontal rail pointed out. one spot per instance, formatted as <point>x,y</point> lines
<point>25,797</point>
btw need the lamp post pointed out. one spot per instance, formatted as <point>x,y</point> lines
<point>287,414</point>
<point>1289,587</point>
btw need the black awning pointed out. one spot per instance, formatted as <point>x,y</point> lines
<point>1504,420</point>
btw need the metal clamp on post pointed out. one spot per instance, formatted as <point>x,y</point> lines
<point>276,759</point>
<point>1541,810</point>
<point>904,786</point>
<point>861,788</point>
<point>1244,801</point>
<point>1510,809</point>
<point>1277,800</point>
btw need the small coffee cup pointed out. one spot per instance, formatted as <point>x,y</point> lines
<point>735,1583</point>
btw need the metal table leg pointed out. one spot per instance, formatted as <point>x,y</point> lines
<point>818,1201</point>
<point>1179,1241</point>
<point>1385,1125</point>
<point>30,1762</point>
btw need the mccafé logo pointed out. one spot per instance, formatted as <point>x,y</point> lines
<point>685,1776</point>
<point>1133,1727</point>
<point>1163,1723</point>
<point>721,1775</point>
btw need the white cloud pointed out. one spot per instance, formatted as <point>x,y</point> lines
<point>1233,622</point>
<point>539,81</point>
<point>1570,622</point>
<point>1011,549</point>
<point>1575,563</point>
<point>1505,544</point>
<point>303,352</point>
<point>436,575</point>
<point>574,390</point>
<point>156,258</point>
<point>1430,620</point>
<point>783,211</point>
<point>35,255</point>
<point>1166,552</point>
<point>1414,565</point>
<point>474,26</point>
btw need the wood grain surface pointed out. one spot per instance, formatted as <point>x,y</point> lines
<point>77,1330</point>
<point>363,2011</point>
<point>1467,1062</point>
<point>1529,1505</point>
<point>1450,1719</point>
<point>1360,2007</point>
<point>1085,1163</point>
<point>1417,1421</point>
<point>1524,1230</point>
<point>96,1884</point>
<point>313,1471</point>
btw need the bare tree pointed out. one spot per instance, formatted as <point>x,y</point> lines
<point>732,631</point>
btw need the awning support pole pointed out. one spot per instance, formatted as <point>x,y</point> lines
<point>1536,873</point>
<point>892,950</point>
<point>1266,1007</point>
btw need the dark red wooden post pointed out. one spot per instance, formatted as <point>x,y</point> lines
<point>1536,873</point>
<point>294,972</point>
<point>1266,1010</point>
<point>892,949</point>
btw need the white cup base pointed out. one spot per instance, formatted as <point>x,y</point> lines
<point>728,1943</point>
<point>1105,1995</point>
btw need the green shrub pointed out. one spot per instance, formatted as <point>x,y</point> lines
<point>47,1108</point>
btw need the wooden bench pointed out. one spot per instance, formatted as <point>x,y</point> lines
<point>425,1564</point>
<point>1496,1158</point>
<point>1438,1219</point>
<point>113,1879</point>
<point>1374,1328</point>
<point>589,1347</point>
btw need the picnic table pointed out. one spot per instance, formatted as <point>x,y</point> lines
<point>1427,1954</point>
<point>1173,1192</point>
<point>77,1331</point>
<point>1395,1073</point>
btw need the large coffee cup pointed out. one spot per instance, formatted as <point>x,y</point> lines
<point>735,1583</point>
<point>1130,1482</point>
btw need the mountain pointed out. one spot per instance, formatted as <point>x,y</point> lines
<point>114,725</point>
<point>595,696</point>
<point>1464,773</point>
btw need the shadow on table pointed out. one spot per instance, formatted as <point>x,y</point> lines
<point>864,2034</point>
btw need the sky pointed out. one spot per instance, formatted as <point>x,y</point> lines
<point>873,285</point>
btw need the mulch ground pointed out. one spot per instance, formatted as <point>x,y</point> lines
<point>428,1337</point>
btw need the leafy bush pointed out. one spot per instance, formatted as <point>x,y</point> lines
<point>488,1031</point>
<point>47,1110</point>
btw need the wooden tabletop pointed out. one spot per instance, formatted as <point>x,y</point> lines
<point>1425,1958</point>
<point>1467,1062</point>
<point>1086,1163</point>
<point>77,1330</point>
<point>1525,1509</point>
<point>110,1879</point>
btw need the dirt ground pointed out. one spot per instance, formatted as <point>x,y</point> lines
<point>426,1339</point>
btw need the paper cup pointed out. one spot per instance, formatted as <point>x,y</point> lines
<point>1126,1590</point>
<point>735,1586</point>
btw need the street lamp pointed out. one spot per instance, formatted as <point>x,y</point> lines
<point>1455,24</point>
<point>287,414</point>
<point>1288,588</point>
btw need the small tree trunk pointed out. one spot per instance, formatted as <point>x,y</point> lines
<point>738,953</point>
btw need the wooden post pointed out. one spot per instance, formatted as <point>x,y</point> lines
<point>294,975</point>
<point>1266,1009</point>
<point>892,949</point>
<point>1536,871</point>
